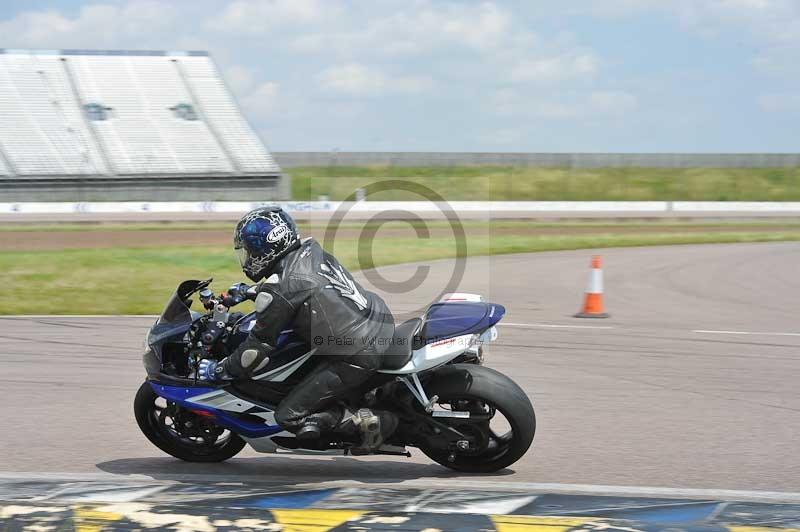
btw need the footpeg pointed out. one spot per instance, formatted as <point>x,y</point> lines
<point>391,450</point>
<point>394,450</point>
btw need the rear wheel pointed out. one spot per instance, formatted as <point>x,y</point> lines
<point>501,425</point>
<point>181,432</point>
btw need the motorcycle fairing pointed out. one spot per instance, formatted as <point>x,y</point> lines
<point>435,354</point>
<point>221,404</point>
<point>450,329</point>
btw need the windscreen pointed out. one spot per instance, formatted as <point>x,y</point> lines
<point>176,316</point>
<point>175,311</point>
<point>177,308</point>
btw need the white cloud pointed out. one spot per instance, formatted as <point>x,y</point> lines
<point>357,79</point>
<point>778,62</point>
<point>475,42</point>
<point>352,79</point>
<point>689,10</point>
<point>612,102</point>
<point>611,8</point>
<point>780,102</point>
<point>564,106</point>
<point>417,27</point>
<point>258,16</point>
<point>239,78</point>
<point>713,15</point>
<point>413,63</point>
<point>263,100</point>
<point>94,26</point>
<point>484,28</point>
<point>772,27</point>
<point>556,68</point>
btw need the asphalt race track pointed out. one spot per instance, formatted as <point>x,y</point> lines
<point>692,383</point>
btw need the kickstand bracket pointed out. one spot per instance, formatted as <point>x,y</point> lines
<point>416,389</point>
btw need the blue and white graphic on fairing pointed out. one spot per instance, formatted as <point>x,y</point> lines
<point>220,404</point>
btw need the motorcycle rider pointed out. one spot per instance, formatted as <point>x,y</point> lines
<point>306,289</point>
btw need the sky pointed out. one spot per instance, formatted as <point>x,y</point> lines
<point>436,75</point>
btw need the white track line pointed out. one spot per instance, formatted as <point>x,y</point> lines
<point>552,326</point>
<point>474,484</point>
<point>748,333</point>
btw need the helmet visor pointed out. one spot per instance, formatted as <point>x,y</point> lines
<point>243,255</point>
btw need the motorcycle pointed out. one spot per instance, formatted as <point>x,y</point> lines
<point>459,413</point>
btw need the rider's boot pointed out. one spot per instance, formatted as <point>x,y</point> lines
<point>316,424</point>
<point>373,426</point>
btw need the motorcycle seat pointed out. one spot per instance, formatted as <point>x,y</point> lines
<point>451,319</point>
<point>400,350</point>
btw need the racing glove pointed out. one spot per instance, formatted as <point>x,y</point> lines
<point>212,371</point>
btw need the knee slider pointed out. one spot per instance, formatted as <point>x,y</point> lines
<point>249,357</point>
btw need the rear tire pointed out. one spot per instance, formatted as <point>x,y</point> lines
<point>148,418</point>
<point>479,383</point>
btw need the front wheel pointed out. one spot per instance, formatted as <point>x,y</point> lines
<point>501,425</point>
<point>181,432</point>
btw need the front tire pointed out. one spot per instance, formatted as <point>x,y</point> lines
<point>468,384</point>
<point>165,425</point>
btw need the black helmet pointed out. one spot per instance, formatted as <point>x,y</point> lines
<point>262,237</point>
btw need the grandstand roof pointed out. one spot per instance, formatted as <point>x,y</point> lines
<point>121,113</point>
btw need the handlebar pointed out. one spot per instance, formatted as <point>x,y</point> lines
<point>236,294</point>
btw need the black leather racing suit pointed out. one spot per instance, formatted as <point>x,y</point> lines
<point>310,292</point>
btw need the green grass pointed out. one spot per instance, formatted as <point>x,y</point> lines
<point>106,281</point>
<point>138,280</point>
<point>555,184</point>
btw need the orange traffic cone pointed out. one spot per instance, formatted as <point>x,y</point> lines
<point>593,301</point>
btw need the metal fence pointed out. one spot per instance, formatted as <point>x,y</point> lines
<point>164,188</point>
<point>568,160</point>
